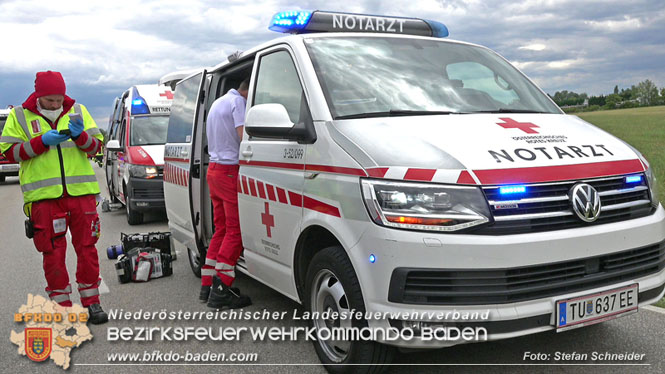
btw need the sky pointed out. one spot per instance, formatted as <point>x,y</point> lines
<point>103,47</point>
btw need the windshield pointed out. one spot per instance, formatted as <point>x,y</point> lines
<point>363,76</point>
<point>148,130</point>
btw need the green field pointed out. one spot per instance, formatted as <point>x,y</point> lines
<point>644,129</point>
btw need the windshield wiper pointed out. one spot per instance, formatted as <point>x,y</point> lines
<point>507,110</point>
<point>396,113</point>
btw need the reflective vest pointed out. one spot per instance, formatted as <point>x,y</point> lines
<point>43,177</point>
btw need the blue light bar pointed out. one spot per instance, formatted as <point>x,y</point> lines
<point>290,22</point>
<point>139,106</point>
<point>633,179</point>
<point>304,21</point>
<point>512,190</point>
<point>372,259</point>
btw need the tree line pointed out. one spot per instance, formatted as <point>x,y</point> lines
<point>645,93</point>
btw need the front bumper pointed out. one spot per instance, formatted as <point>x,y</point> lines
<point>395,249</point>
<point>146,194</point>
<point>9,169</point>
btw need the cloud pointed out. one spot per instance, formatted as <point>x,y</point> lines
<point>102,47</point>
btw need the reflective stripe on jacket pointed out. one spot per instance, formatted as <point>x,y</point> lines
<point>43,176</point>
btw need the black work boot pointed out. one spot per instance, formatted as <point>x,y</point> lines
<point>204,294</point>
<point>222,295</point>
<point>97,315</point>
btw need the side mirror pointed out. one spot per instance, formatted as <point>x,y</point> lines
<point>273,121</point>
<point>114,146</point>
<point>268,120</point>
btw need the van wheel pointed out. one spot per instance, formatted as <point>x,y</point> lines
<point>133,217</point>
<point>332,286</point>
<point>2,178</point>
<point>195,261</point>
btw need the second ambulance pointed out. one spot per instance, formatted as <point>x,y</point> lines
<point>390,171</point>
<point>134,155</point>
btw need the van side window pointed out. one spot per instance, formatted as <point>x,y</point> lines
<point>277,82</point>
<point>183,109</point>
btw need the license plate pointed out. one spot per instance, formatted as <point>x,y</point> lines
<point>602,306</point>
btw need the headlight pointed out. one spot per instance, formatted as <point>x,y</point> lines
<point>653,185</point>
<point>420,206</point>
<point>141,171</point>
<point>651,179</point>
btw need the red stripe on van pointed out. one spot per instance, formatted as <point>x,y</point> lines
<point>281,194</point>
<point>419,174</point>
<point>271,192</point>
<point>320,206</point>
<point>262,193</point>
<point>377,172</point>
<point>336,169</point>
<point>245,188</point>
<point>270,164</point>
<point>465,178</point>
<point>559,172</point>
<point>296,199</point>
<point>252,187</point>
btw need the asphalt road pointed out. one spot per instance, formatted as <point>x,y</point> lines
<point>642,333</point>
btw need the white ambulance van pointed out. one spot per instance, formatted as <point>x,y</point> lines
<point>134,154</point>
<point>7,168</point>
<point>424,182</point>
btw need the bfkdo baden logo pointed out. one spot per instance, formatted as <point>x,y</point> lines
<point>38,343</point>
<point>50,331</point>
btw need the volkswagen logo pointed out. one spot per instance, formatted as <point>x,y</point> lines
<point>585,201</point>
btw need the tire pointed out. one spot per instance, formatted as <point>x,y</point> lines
<point>2,178</point>
<point>332,284</point>
<point>195,261</point>
<point>133,217</point>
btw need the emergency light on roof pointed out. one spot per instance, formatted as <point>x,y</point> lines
<point>304,21</point>
<point>139,105</point>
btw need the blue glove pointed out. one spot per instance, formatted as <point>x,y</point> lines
<point>76,128</point>
<point>53,137</point>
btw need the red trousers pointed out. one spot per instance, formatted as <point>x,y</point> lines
<point>226,243</point>
<point>51,219</point>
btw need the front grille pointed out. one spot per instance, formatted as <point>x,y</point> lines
<point>148,193</point>
<point>546,207</point>
<point>500,286</point>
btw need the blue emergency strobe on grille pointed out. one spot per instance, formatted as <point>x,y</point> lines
<point>546,206</point>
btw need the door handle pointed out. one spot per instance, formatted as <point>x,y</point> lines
<point>247,153</point>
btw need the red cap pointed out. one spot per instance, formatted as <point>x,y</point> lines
<point>49,83</point>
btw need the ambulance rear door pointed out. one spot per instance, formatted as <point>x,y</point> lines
<point>110,158</point>
<point>178,160</point>
<point>218,83</point>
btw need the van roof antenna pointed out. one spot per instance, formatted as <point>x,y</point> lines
<point>234,56</point>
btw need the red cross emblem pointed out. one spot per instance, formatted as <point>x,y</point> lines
<point>168,94</point>
<point>268,220</point>
<point>510,123</point>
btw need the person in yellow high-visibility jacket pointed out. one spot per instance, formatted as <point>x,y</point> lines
<point>59,185</point>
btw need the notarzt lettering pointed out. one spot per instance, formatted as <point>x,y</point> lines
<point>362,23</point>
<point>571,151</point>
